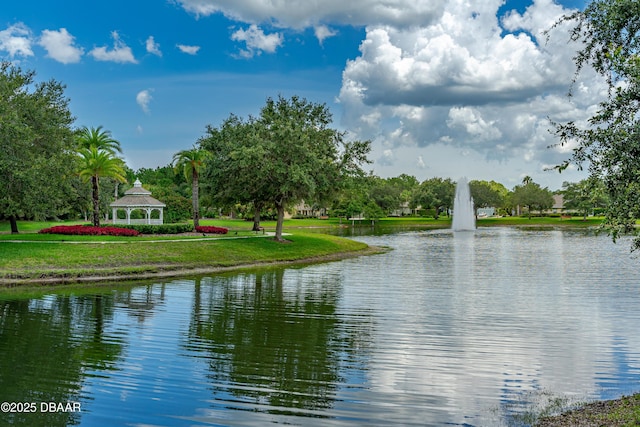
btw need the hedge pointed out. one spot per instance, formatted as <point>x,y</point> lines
<point>160,228</point>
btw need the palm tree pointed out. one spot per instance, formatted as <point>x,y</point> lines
<point>96,137</point>
<point>191,162</point>
<point>96,163</point>
<point>99,159</point>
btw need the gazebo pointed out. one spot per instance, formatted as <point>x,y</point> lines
<point>137,198</point>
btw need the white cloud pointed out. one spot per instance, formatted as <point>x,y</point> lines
<point>468,81</point>
<point>16,40</point>
<point>257,41</point>
<point>323,32</point>
<point>388,158</point>
<point>153,47</point>
<point>60,46</point>
<point>471,121</point>
<point>143,98</point>
<point>120,52</point>
<point>190,50</point>
<point>299,14</point>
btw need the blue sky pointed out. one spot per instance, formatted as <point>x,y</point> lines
<point>440,87</point>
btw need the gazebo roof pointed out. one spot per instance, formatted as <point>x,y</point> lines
<point>137,197</point>
<point>137,189</point>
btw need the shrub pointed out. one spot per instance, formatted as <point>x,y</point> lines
<point>160,228</point>
<point>88,230</point>
<point>211,229</point>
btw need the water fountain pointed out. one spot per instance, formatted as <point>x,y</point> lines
<point>464,218</point>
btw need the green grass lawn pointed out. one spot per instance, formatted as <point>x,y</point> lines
<point>132,256</point>
<point>239,225</point>
<point>35,226</point>
<point>516,221</point>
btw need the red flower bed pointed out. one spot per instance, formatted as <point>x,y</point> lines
<point>211,229</point>
<point>88,230</point>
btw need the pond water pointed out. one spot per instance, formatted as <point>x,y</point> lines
<point>470,329</point>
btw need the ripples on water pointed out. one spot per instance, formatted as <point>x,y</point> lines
<point>447,329</point>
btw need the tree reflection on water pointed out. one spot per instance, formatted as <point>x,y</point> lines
<point>280,349</point>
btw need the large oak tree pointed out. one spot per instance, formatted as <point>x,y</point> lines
<point>532,196</point>
<point>236,167</point>
<point>288,154</point>
<point>37,152</point>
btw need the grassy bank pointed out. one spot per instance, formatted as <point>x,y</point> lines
<point>515,221</point>
<point>623,412</point>
<point>87,258</point>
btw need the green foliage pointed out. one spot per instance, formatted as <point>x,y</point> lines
<point>237,166</point>
<point>98,159</point>
<point>178,208</point>
<point>350,200</point>
<point>286,155</point>
<point>429,213</point>
<point>164,177</point>
<point>487,194</point>
<point>191,163</point>
<point>435,193</point>
<point>96,163</point>
<point>98,138</point>
<point>99,163</point>
<point>159,228</point>
<point>532,196</point>
<point>390,194</point>
<point>585,196</point>
<point>373,211</point>
<point>609,35</point>
<point>385,195</point>
<point>36,146</point>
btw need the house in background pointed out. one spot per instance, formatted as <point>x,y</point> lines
<point>404,210</point>
<point>558,204</point>
<point>302,209</point>
<point>486,212</point>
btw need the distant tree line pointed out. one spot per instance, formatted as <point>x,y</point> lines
<point>253,167</point>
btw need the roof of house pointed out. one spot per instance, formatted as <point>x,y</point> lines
<point>558,201</point>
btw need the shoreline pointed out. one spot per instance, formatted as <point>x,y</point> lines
<point>173,270</point>
<point>621,412</point>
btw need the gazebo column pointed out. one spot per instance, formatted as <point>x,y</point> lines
<point>161,216</point>
<point>115,215</point>
<point>128,215</point>
<point>148,215</point>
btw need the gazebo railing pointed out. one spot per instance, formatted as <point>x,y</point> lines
<point>139,221</point>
